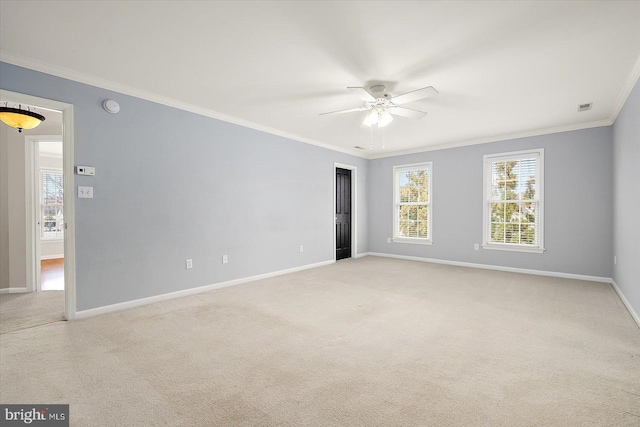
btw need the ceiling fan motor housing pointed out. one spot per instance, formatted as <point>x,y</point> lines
<point>378,91</point>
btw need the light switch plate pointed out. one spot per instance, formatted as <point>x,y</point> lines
<point>85,192</point>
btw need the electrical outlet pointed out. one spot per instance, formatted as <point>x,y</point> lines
<point>476,247</point>
<point>225,259</point>
<point>615,260</point>
<point>301,248</point>
<point>189,263</point>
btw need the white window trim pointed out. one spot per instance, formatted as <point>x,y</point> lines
<point>487,159</point>
<point>41,219</point>
<point>396,204</point>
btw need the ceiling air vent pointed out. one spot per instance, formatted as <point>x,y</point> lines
<point>585,107</point>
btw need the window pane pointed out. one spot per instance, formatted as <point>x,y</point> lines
<point>498,212</point>
<point>404,212</point>
<point>52,201</point>
<point>413,212</point>
<point>408,228</point>
<point>412,193</point>
<point>497,233</point>
<point>528,234</point>
<point>423,229</point>
<point>423,213</point>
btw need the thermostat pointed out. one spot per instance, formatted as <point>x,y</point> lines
<point>85,170</point>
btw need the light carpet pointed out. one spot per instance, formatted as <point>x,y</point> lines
<point>22,311</point>
<point>365,342</point>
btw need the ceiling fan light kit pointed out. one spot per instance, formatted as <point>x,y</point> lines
<point>382,105</point>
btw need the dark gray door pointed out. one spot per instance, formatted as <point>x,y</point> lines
<point>343,213</point>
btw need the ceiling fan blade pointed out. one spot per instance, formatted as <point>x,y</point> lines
<point>407,112</point>
<point>405,98</point>
<point>362,93</point>
<point>345,111</point>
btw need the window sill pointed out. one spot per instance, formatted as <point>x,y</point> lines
<point>52,240</point>
<point>412,241</point>
<point>513,248</point>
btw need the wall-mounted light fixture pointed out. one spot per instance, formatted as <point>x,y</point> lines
<point>20,117</point>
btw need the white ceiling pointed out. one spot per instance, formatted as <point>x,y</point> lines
<point>503,69</point>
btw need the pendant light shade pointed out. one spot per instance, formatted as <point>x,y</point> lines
<point>384,118</point>
<point>20,118</point>
<point>378,117</point>
<point>371,119</point>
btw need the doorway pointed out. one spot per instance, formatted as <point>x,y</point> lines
<point>345,211</point>
<point>44,216</point>
<point>45,162</point>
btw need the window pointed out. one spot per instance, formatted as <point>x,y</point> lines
<point>51,205</point>
<point>513,211</point>
<point>412,203</point>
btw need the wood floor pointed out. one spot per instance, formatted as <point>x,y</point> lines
<point>52,274</point>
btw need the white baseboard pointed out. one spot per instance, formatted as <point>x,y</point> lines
<point>186,292</point>
<point>626,302</point>
<point>361,255</point>
<point>498,268</point>
<point>45,257</point>
<point>13,290</point>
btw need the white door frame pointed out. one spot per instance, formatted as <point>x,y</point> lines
<point>32,200</point>
<point>354,208</point>
<point>69,200</point>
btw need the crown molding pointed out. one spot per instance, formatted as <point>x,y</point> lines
<point>633,78</point>
<point>149,96</point>
<point>75,76</point>
<point>505,137</point>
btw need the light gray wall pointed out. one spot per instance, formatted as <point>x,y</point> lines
<point>172,185</point>
<point>578,204</point>
<point>626,232</point>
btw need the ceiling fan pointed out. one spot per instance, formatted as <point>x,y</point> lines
<point>382,104</point>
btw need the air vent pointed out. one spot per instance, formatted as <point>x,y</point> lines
<point>584,107</point>
<point>358,147</point>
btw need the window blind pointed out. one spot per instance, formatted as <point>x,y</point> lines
<point>412,194</point>
<point>514,201</point>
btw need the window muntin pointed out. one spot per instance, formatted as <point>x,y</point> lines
<point>51,205</point>
<point>412,203</point>
<point>513,201</point>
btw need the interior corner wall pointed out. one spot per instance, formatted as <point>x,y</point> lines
<point>577,204</point>
<point>626,190</point>
<point>171,185</point>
